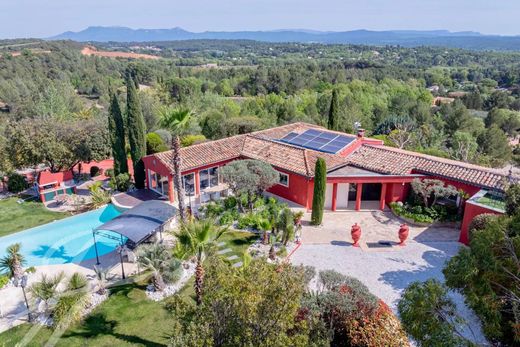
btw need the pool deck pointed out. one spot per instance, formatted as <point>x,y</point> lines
<point>132,199</point>
<point>12,306</point>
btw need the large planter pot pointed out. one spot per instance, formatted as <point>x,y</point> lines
<point>355,232</point>
<point>404,230</point>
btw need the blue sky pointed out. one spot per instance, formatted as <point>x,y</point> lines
<point>42,18</point>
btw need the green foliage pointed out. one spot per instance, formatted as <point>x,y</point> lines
<point>13,261</point>
<point>430,190</point>
<point>481,222</point>
<point>189,140</point>
<point>16,183</point>
<point>116,129</point>
<point>332,122</point>
<point>318,198</point>
<point>94,171</point>
<point>99,196</point>
<point>512,200</point>
<point>254,305</point>
<point>154,144</point>
<point>158,260</point>
<point>47,288</point>
<point>345,313</point>
<point>30,270</point>
<point>136,132</point>
<point>487,274</point>
<point>494,144</point>
<point>121,182</point>
<point>4,279</point>
<point>250,178</point>
<point>429,315</point>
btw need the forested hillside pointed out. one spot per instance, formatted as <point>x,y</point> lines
<point>54,100</point>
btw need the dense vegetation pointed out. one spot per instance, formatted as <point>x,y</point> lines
<point>255,85</point>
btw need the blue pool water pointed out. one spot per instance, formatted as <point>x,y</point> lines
<point>67,240</point>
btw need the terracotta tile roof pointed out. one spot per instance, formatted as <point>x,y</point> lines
<point>395,161</point>
<point>381,159</point>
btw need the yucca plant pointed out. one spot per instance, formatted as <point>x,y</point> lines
<point>99,196</point>
<point>158,259</point>
<point>199,239</point>
<point>13,262</point>
<point>264,225</point>
<point>71,302</point>
<point>101,278</point>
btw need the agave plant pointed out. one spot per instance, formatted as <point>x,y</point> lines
<point>13,262</point>
<point>199,239</point>
<point>101,278</point>
<point>157,259</point>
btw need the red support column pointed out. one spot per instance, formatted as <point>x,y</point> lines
<point>171,195</point>
<point>310,193</point>
<point>334,196</point>
<point>382,200</point>
<point>197,183</point>
<point>358,196</point>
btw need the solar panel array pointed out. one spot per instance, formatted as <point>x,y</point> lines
<point>322,141</point>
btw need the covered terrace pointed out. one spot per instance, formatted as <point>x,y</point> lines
<point>136,226</point>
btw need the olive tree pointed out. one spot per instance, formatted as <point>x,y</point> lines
<point>249,177</point>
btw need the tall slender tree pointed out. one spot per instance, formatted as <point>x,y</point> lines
<point>178,122</point>
<point>136,132</point>
<point>116,128</point>
<point>332,123</point>
<point>320,185</point>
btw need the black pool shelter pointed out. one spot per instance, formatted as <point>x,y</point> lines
<point>137,224</point>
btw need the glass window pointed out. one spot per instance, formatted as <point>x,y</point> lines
<point>284,179</point>
<point>209,178</point>
<point>189,184</point>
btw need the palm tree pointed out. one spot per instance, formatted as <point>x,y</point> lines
<point>199,239</point>
<point>264,225</point>
<point>157,259</point>
<point>46,289</point>
<point>13,261</point>
<point>177,121</point>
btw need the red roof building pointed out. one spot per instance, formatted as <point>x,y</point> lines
<point>360,171</point>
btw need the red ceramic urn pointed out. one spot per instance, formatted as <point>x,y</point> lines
<point>355,232</point>
<point>403,233</point>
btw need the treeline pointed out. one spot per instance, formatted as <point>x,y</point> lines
<point>259,85</point>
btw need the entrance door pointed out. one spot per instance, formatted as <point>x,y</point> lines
<point>343,196</point>
<point>371,192</point>
<point>328,196</point>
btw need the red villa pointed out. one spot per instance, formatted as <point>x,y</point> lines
<point>362,173</point>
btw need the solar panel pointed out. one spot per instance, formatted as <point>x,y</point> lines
<point>319,140</point>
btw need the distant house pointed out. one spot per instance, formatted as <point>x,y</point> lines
<point>434,89</point>
<point>360,171</point>
<point>4,107</point>
<point>440,100</point>
<point>457,95</point>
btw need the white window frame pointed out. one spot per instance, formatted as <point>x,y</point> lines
<point>280,179</point>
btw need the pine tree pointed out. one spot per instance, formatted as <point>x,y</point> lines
<point>333,111</point>
<point>136,132</point>
<point>320,185</point>
<point>116,128</point>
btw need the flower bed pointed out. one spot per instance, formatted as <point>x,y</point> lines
<point>421,216</point>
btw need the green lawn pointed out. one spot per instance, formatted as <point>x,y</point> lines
<point>16,217</point>
<point>127,318</point>
<point>492,201</point>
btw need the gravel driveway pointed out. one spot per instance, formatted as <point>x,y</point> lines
<point>388,272</point>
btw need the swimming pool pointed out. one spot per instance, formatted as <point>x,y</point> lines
<point>64,241</point>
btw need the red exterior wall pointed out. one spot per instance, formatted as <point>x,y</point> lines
<point>297,190</point>
<point>471,211</point>
<point>396,192</point>
<point>150,163</point>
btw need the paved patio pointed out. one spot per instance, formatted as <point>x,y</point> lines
<point>386,271</point>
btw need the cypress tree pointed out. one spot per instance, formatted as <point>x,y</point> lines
<point>116,128</point>
<point>318,198</point>
<point>332,123</point>
<point>136,132</point>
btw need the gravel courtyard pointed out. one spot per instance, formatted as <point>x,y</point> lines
<point>386,271</point>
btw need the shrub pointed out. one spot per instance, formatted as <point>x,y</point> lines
<point>4,279</point>
<point>99,196</point>
<point>154,144</point>
<point>94,171</point>
<point>30,270</point>
<point>230,203</point>
<point>190,140</point>
<point>480,222</point>
<point>109,172</point>
<point>121,182</point>
<point>16,183</point>
<point>228,217</point>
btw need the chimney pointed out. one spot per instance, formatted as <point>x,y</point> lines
<point>361,133</point>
